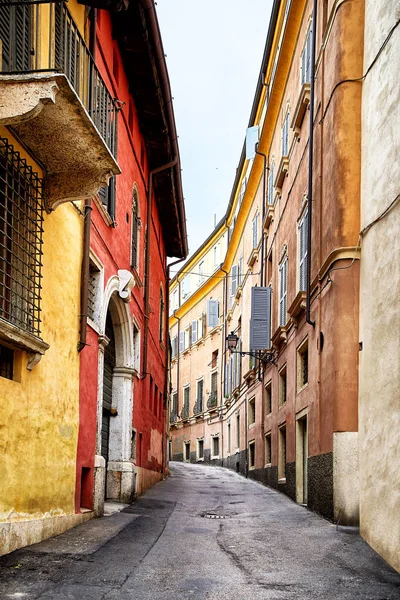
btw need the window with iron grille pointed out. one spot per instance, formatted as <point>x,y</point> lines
<point>214,383</point>
<point>21,230</point>
<point>302,365</point>
<point>215,446</point>
<point>268,397</point>
<point>93,287</point>
<point>200,395</point>
<point>303,234</point>
<point>135,232</point>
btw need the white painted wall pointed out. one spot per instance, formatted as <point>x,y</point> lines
<point>379,389</point>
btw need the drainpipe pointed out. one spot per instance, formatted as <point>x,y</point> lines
<point>153,172</point>
<point>85,274</point>
<point>310,166</point>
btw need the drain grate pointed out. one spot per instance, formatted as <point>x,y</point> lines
<point>214,516</point>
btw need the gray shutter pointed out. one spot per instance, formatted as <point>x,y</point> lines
<point>181,341</point>
<point>194,331</point>
<point>234,279</point>
<point>260,322</point>
<point>212,313</point>
<point>204,325</point>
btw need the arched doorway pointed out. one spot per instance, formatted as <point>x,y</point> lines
<point>108,373</point>
<point>114,469</point>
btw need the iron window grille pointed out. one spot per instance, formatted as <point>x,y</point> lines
<point>20,34</point>
<point>6,362</point>
<point>21,231</point>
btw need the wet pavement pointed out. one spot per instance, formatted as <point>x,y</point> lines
<point>205,532</point>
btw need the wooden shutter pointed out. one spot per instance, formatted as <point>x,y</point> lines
<point>194,331</point>
<point>181,341</point>
<point>234,279</point>
<point>254,232</point>
<point>260,321</point>
<point>212,313</point>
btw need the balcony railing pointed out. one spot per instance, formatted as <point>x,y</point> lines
<point>198,408</point>
<point>173,417</point>
<point>22,31</point>
<point>185,411</point>
<point>212,401</point>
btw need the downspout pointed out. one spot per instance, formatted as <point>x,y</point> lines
<point>85,274</point>
<point>153,172</point>
<point>310,166</point>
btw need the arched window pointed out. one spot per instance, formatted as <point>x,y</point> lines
<point>161,314</point>
<point>135,231</point>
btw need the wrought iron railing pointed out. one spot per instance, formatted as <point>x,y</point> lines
<point>21,31</point>
<point>212,401</point>
<point>173,417</point>
<point>185,411</point>
<point>198,408</point>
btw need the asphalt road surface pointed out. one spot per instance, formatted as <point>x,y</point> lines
<point>205,532</point>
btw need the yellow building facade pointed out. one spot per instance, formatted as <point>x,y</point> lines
<point>51,157</point>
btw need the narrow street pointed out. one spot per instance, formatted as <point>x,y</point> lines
<point>203,533</point>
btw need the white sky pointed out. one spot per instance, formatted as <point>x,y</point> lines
<point>214,50</point>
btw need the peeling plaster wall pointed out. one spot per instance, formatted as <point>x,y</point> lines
<point>379,395</point>
<point>39,411</point>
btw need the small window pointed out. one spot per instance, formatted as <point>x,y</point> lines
<point>6,362</point>
<point>215,446</point>
<point>283,291</point>
<point>268,449</point>
<point>133,445</point>
<point>252,455</point>
<point>200,449</point>
<point>268,398</point>
<point>282,453</point>
<point>252,411</point>
<point>282,386</point>
<point>302,365</point>
<point>187,451</point>
<point>303,243</point>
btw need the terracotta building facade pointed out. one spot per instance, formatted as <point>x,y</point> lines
<point>288,397</point>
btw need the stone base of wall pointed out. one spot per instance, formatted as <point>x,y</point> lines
<point>320,484</point>
<point>269,476</point>
<point>25,532</point>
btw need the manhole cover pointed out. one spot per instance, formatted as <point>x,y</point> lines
<point>214,516</point>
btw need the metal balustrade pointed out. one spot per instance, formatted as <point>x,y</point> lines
<point>21,34</point>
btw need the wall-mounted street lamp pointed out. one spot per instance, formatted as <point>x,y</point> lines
<point>232,342</point>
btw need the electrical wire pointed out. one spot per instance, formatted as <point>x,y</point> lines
<point>355,80</point>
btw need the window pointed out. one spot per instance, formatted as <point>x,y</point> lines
<point>21,228</point>
<point>283,291</point>
<point>181,341</point>
<point>194,331</point>
<point>212,313</point>
<point>93,290</point>
<point>162,324</point>
<point>268,448</point>
<point>252,455</point>
<point>6,362</point>
<point>282,385</point>
<point>107,197</point>
<point>185,287</point>
<point>136,348</point>
<point>271,184</point>
<point>252,411</point>
<point>303,245</point>
<point>306,59</point>
<point>238,431</point>
<point>268,397</point>
<point>200,395</point>
<point>302,365</point>
<point>254,230</point>
<point>187,451</point>
<point>187,338</point>
<point>215,446</point>
<point>213,400</point>
<point>133,445</point>
<point>174,346</point>
<point>285,135</point>
<point>234,280</point>
<point>214,359</point>
<point>201,272</point>
<point>174,407</point>
<point>282,453</point>
<point>217,259</point>
<point>15,35</point>
<point>135,231</point>
<point>200,449</point>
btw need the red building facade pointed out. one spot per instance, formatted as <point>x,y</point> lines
<point>130,229</point>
